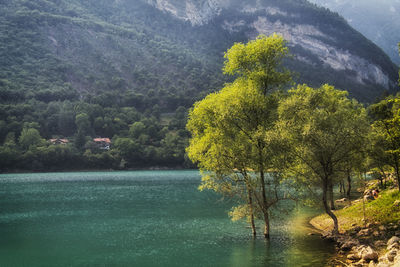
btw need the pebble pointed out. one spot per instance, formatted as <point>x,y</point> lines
<point>392,240</point>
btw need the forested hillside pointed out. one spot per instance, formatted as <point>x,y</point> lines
<point>128,70</point>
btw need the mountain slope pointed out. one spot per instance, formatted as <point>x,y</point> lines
<point>128,70</point>
<point>79,47</point>
<point>170,52</point>
<point>325,47</point>
<point>378,21</point>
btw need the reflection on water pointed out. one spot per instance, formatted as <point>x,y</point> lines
<point>143,218</point>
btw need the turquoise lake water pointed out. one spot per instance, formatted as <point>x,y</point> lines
<point>138,218</point>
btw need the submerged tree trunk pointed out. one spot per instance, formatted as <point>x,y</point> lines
<point>266,226</point>
<point>330,194</point>
<point>264,203</point>
<point>348,185</point>
<point>328,211</point>
<point>253,226</point>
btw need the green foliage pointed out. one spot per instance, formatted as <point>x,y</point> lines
<point>10,140</point>
<point>233,138</point>
<point>82,122</point>
<point>171,148</point>
<point>386,133</point>
<point>157,142</point>
<point>325,131</point>
<point>129,149</point>
<point>80,140</point>
<point>30,137</point>
<point>259,61</point>
<point>232,122</point>
<point>239,212</point>
<point>108,160</point>
<point>9,157</point>
<point>137,129</point>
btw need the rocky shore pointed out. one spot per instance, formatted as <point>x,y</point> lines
<point>368,246</point>
<point>370,228</point>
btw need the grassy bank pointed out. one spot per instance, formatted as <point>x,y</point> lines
<point>383,210</point>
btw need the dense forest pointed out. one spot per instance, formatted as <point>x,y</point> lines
<point>79,70</point>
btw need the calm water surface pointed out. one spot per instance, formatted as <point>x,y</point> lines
<point>140,218</point>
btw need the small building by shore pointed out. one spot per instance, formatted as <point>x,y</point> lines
<point>102,143</point>
<point>59,141</point>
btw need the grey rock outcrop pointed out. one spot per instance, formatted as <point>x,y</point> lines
<point>392,257</point>
<point>393,240</point>
<point>367,253</point>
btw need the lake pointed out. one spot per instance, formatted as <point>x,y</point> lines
<point>139,218</point>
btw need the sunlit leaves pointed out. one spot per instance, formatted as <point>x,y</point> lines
<point>233,138</point>
<point>386,129</point>
<point>324,128</point>
<point>259,61</point>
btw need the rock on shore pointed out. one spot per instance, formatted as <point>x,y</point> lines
<point>364,255</point>
<point>368,246</point>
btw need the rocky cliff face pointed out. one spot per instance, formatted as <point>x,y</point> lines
<point>377,20</point>
<point>309,38</point>
<point>320,44</point>
<point>197,12</point>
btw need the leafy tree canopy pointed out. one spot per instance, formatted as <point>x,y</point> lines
<point>233,140</point>
<point>259,61</point>
<point>324,130</point>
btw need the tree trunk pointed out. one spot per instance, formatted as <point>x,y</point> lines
<point>380,178</point>
<point>330,188</point>
<point>264,202</point>
<point>266,226</point>
<point>328,211</point>
<point>250,199</point>
<point>341,187</point>
<point>348,185</point>
<point>264,207</point>
<point>383,174</point>
<point>363,199</point>
<point>397,172</point>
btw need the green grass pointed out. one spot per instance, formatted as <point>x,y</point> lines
<point>380,210</point>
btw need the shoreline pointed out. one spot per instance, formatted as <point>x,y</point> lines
<point>154,168</point>
<point>370,242</point>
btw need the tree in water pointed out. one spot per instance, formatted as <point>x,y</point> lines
<point>324,130</point>
<point>233,137</point>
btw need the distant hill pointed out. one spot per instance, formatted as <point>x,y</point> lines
<point>377,20</point>
<point>170,52</point>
